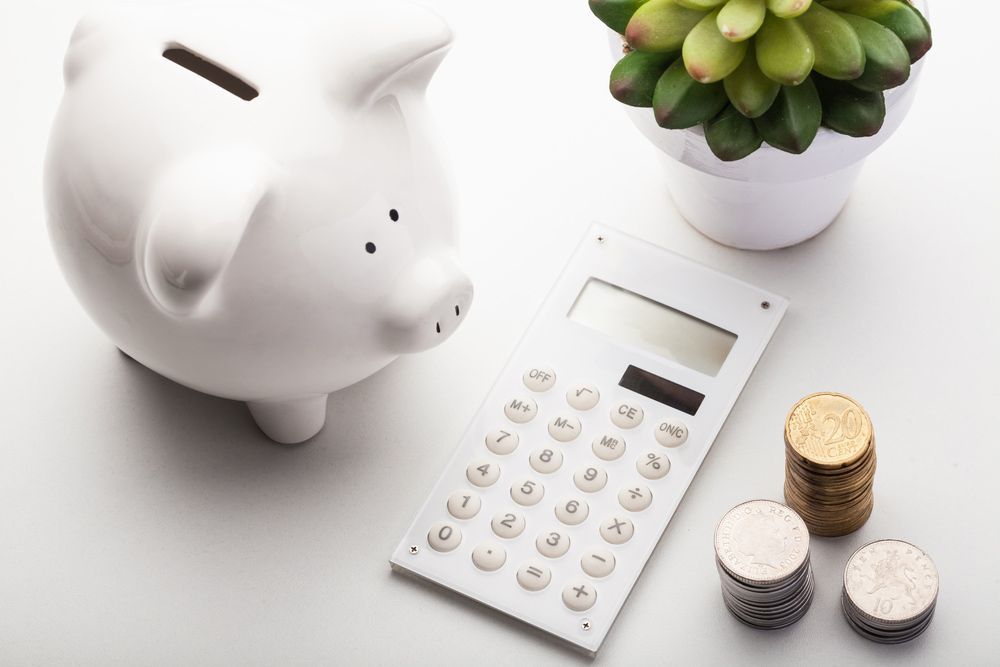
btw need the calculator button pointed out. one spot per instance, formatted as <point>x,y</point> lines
<point>590,479</point>
<point>617,530</point>
<point>564,429</point>
<point>483,472</point>
<point>552,544</point>
<point>597,562</point>
<point>579,595</point>
<point>671,433</point>
<point>502,442</point>
<point>464,504</point>
<point>608,447</point>
<point>626,415</point>
<point>653,465</point>
<point>572,511</point>
<point>527,492</point>
<point>539,379</point>
<point>534,576</point>
<point>583,396</point>
<point>507,525</point>
<point>635,498</point>
<point>444,537</point>
<point>489,556</point>
<point>546,461</point>
<point>520,410</point>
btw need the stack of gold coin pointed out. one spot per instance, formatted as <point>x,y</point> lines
<point>830,463</point>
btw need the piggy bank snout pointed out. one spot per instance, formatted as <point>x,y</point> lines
<point>427,305</point>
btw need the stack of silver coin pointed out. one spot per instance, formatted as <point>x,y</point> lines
<point>762,554</point>
<point>890,591</point>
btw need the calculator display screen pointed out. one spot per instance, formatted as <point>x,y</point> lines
<point>666,331</point>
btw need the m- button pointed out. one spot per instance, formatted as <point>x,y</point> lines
<point>626,415</point>
<point>564,429</point>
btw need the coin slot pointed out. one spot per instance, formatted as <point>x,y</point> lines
<point>198,64</point>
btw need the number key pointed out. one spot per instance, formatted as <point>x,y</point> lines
<point>527,492</point>
<point>502,442</point>
<point>590,480</point>
<point>552,544</point>
<point>546,461</point>
<point>444,537</point>
<point>572,511</point>
<point>508,525</point>
<point>464,504</point>
<point>483,472</point>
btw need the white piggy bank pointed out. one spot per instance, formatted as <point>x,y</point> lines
<point>245,197</point>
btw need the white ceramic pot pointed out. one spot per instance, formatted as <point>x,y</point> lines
<point>246,198</point>
<point>770,199</point>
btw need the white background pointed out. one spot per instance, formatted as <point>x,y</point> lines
<point>141,522</point>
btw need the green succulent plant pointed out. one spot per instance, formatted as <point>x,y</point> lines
<point>755,71</point>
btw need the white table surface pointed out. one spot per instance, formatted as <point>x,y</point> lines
<point>144,523</point>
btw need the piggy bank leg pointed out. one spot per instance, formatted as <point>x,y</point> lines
<point>290,421</point>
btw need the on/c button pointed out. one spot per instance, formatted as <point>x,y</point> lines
<point>671,433</point>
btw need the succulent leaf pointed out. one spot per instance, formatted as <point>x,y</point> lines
<point>703,5</point>
<point>850,110</point>
<point>709,56</point>
<point>741,19</point>
<point>793,120</point>
<point>784,50</point>
<point>680,102</point>
<point>787,9</point>
<point>615,13</point>
<point>731,135</point>
<point>634,78</point>
<point>749,90</point>
<point>887,62</point>
<point>839,54</point>
<point>902,18</point>
<point>661,25</point>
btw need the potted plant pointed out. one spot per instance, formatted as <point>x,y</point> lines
<point>765,109</point>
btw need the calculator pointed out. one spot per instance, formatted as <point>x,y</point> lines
<point>580,454</point>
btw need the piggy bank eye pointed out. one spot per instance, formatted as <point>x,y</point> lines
<point>370,247</point>
<point>393,215</point>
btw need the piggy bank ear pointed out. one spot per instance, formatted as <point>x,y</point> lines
<point>390,46</point>
<point>196,218</point>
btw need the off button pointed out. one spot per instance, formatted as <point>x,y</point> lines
<point>539,379</point>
